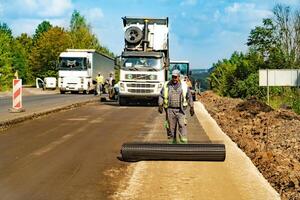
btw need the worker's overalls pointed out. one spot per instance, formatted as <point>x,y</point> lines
<point>175,114</point>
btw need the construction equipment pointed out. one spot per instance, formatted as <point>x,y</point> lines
<point>144,59</point>
<point>133,152</point>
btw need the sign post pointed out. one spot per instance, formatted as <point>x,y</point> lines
<point>17,96</point>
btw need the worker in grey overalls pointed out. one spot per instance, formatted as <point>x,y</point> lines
<point>175,97</point>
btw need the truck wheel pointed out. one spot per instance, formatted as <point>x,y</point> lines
<point>133,34</point>
<point>122,101</point>
<point>86,91</point>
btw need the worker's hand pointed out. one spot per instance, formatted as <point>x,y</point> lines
<point>160,109</point>
<point>192,112</point>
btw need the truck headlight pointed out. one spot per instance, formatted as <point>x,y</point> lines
<point>82,80</point>
<point>160,85</point>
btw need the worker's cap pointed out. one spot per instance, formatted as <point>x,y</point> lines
<point>176,72</point>
<point>99,73</point>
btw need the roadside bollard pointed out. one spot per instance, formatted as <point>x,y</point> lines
<point>17,96</point>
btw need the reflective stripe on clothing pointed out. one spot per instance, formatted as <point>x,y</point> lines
<point>166,93</point>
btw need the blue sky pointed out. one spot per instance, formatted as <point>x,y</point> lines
<point>201,31</point>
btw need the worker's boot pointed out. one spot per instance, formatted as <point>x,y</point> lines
<point>183,140</point>
<point>172,140</point>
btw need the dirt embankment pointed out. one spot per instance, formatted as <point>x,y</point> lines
<point>271,138</point>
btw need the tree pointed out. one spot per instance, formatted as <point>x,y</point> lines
<point>24,44</point>
<point>263,38</point>
<point>6,73</point>
<point>5,29</point>
<point>77,21</point>
<point>42,28</point>
<point>45,54</point>
<point>82,36</point>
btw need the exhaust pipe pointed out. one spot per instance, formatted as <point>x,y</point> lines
<point>133,152</point>
<point>145,41</point>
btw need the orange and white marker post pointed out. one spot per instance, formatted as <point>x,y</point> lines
<point>17,96</point>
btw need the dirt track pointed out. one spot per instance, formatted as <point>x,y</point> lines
<point>270,138</point>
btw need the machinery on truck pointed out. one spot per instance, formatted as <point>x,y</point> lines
<point>144,59</point>
<point>184,68</point>
<point>78,69</point>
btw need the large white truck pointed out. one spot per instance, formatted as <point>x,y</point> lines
<point>144,59</point>
<point>78,69</point>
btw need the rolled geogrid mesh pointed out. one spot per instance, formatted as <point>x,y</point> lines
<point>191,152</point>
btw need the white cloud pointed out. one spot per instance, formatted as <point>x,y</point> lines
<point>217,15</point>
<point>93,15</point>
<point>24,26</point>
<point>188,2</point>
<point>54,8</point>
<point>41,8</point>
<point>29,25</point>
<point>245,13</point>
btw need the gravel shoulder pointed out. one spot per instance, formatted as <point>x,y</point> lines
<point>270,138</point>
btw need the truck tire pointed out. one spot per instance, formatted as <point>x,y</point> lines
<point>194,97</point>
<point>133,34</point>
<point>122,101</point>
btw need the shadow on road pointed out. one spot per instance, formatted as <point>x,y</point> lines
<point>131,104</point>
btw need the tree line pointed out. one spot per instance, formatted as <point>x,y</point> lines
<point>273,45</point>
<point>37,55</point>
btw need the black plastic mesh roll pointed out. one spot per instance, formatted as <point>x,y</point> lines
<point>191,152</point>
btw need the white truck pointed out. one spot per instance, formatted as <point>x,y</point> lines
<point>144,59</point>
<point>78,69</point>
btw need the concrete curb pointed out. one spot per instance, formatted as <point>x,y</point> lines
<point>9,123</point>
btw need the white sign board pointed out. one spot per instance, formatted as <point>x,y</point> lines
<point>279,77</point>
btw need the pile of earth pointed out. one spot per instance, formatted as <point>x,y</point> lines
<point>271,138</point>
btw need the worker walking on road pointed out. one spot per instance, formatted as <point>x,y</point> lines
<point>100,82</point>
<point>175,97</point>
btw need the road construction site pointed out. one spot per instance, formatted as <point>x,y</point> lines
<point>73,154</point>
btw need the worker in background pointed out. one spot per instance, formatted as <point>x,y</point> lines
<point>175,97</point>
<point>188,82</point>
<point>110,85</point>
<point>100,82</point>
<point>110,80</point>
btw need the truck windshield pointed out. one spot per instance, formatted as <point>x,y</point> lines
<point>68,63</point>
<point>142,64</point>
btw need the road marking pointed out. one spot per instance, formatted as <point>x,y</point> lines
<point>77,119</point>
<point>97,120</point>
<point>52,145</point>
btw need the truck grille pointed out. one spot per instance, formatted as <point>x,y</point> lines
<point>141,76</point>
<point>140,85</point>
<point>140,91</point>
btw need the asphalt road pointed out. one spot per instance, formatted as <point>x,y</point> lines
<point>37,103</point>
<point>73,155</point>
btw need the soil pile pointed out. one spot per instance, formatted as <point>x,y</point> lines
<point>271,138</point>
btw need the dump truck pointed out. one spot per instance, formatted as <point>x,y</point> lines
<point>144,59</point>
<point>78,69</point>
